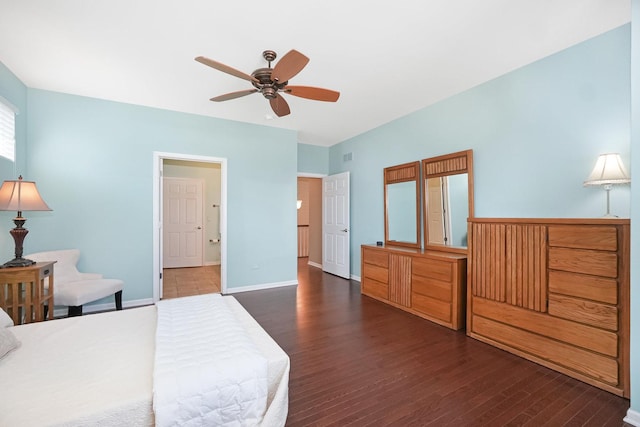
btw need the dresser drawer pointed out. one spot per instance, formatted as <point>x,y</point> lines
<point>582,311</point>
<point>596,263</point>
<point>432,307</point>
<point>371,256</point>
<point>433,269</point>
<point>584,237</point>
<point>375,272</point>
<point>601,289</point>
<point>431,288</point>
<point>374,288</point>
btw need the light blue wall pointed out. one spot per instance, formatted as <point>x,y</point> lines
<point>536,133</point>
<point>313,159</point>
<point>635,207</point>
<point>92,160</point>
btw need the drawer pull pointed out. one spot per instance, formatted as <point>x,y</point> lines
<point>46,271</point>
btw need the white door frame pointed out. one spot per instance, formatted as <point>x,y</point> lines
<point>158,158</point>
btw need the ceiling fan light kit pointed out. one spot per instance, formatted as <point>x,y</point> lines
<point>270,82</point>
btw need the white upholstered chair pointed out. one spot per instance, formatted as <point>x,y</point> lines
<point>73,288</point>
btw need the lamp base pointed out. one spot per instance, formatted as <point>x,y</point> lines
<point>18,233</point>
<point>18,262</point>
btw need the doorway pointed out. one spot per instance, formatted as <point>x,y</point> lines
<point>310,219</point>
<point>207,270</point>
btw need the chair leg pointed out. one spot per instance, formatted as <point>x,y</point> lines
<point>74,310</point>
<point>119,300</point>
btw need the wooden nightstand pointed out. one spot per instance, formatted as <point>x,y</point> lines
<point>22,292</point>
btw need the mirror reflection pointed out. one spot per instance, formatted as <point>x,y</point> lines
<point>447,209</point>
<point>401,212</point>
<point>448,201</point>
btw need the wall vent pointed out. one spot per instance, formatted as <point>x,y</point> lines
<point>347,157</point>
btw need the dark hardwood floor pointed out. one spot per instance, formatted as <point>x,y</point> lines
<point>356,361</point>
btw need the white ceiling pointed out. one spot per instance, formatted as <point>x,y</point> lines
<point>386,58</point>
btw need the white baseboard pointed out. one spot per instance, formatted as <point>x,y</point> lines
<point>632,418</point>
<point>209,263</point>
<point>260,287</point>
<point>314,264</point>
<point>92,308</point>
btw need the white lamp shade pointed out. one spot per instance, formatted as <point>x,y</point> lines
<point>18,195</point>
<point>609,170</point>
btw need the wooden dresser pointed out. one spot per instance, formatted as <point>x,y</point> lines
<point>554,291</point>
<point>429,284</point>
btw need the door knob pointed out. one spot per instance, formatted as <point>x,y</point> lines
<point>345,230</point>
<point>199,228</point>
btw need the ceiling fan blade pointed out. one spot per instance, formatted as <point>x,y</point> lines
<point>225,68</point>
<point>233,95</point>
<point>315,93</point>
<point>279,106</point>
<point>290,65</point>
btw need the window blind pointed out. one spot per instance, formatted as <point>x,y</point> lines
<point>7,132</point>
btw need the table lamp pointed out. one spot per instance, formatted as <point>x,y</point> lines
<point>18,195</point>
<point>609,171</point>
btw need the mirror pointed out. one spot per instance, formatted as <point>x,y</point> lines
<point>401,201</point>
<point>448,202</point>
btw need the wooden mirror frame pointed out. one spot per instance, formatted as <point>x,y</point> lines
<point>406,172</point>
<point>448,164</point>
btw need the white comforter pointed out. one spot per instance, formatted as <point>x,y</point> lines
<point>97,371</point>
<point>207,370</point>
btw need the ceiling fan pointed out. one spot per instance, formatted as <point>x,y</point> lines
<point>271,81</point>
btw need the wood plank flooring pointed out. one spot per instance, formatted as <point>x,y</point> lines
<point>184,282</point>
<point>356,361</point>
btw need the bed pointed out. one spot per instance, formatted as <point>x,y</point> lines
<point>104,370</point>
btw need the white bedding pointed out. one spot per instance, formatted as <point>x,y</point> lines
<point>207,371</point>
<point>97,370</point>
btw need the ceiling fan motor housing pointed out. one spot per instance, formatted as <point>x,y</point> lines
<point>265,85</point>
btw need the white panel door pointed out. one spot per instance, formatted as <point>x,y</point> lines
<point>435,211</point>
<point>335,225</point>
<point>182,222</point>
<point>438,211</point>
